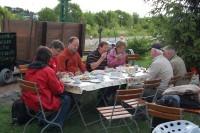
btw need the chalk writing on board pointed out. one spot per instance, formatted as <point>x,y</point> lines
<point>7,50</point>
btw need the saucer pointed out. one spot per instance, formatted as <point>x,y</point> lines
<point>95,81</point>
<point>112,77</point>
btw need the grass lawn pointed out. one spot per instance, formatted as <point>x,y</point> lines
<point>73,125</point>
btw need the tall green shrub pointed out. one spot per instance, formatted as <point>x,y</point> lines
<point>140,45</point>
<point>178,24</point>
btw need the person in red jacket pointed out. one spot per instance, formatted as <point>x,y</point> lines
<point>56,47</point>
<point>69,60</point>
<point>50,88</point>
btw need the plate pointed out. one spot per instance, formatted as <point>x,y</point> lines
<point>96,72</point>
<point>66,80</point>
<point>131,75</point>
<point>77,82</point>
<point>85,80</point>
<point>114,77</point>
<point>110,70</point>
<point>95,81</point>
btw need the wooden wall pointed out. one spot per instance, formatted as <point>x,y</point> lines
<point>31,34</point>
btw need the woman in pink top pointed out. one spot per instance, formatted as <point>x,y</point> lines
<point>117,56</point>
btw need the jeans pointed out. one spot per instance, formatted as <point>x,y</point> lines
<point>169,100</point>
<point>64,111</point>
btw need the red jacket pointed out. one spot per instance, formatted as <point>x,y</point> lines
<point>49,88</point>
<point>53,63</point>
<point>69,62</point>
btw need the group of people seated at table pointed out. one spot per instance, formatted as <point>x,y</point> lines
<point>48,65</point>
<point>50,62</point>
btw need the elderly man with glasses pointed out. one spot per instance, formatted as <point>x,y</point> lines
<point>160,68</point>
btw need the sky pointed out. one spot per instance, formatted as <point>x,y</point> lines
<point>130,6</point>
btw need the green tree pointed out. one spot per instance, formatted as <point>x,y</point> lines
<point>112,19</point>
<point>73,12</point>
<point>124,19</point>
<point>113,23</point>
<point>101,18</point>
<point>89,18</point>
<point>47,14</point>
<point>135,18</point>
<point>179,25</point>
<point>4,13</point>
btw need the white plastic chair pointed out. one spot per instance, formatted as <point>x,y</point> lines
<point>130,51</point>
<point>179,126</point>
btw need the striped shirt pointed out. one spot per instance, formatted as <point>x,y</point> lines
<point>94,56</point>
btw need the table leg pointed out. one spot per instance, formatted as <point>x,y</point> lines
<point>77,105</point>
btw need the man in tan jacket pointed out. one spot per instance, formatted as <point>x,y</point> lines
<point>178,65</point>
<point>177,62</point>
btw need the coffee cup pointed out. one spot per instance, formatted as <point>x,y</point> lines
<point>77,80</point>
<point>100,77</point>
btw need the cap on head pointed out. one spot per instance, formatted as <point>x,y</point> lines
<point>156,46</point>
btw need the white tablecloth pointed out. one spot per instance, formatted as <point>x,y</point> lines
<point>106,82</point>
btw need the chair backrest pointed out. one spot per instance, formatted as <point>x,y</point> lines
<point>133,57</point>
<point>23,68</point>
<point>173,80</point>
<point>152,84</point>
<point>127,94</point>
<point>133,96</point>
<point>31,86</point>
<point>27,85</point>
<point>159,111</point>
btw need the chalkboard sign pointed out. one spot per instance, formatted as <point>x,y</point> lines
<point>7,50</point>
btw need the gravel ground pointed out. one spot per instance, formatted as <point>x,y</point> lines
<point>9,93</point>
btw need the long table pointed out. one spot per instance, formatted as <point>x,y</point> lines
<point>107,81</point>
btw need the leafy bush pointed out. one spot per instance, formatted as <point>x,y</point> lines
<point>91,30</point>
<point>179,26</point>
<point>190,55</point>
<point>140,45</point>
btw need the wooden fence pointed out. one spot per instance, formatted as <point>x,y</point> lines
<point>31,34</point>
